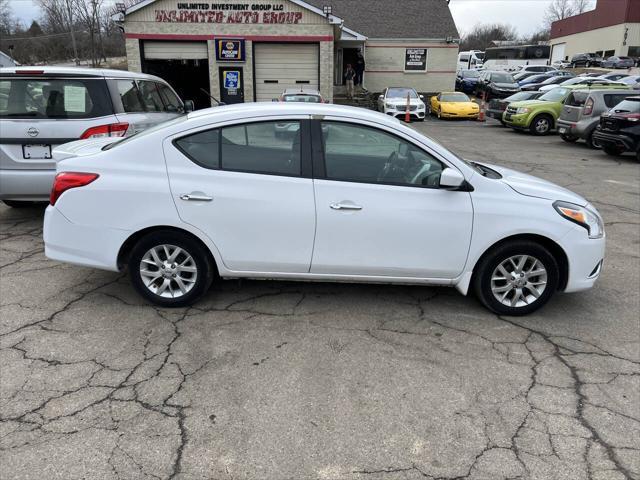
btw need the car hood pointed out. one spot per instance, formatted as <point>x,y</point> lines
<point>536,187</point>
<point>81,148</point>
<point>526,103</point>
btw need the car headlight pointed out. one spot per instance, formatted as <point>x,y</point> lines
<point>523,110</point>
<point>582,216</point>
<point>389,105</point>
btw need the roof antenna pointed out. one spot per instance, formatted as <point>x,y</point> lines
<point>220,104</point>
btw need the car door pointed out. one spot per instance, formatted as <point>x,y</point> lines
<point>248,187</point>
<point>379,209</point>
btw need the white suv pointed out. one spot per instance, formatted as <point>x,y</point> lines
<point>43,107</point>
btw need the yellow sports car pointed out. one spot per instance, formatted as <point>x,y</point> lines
<point>453,105</point>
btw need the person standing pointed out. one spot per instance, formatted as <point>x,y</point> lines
<point>360,66</point>
<point>349,78</point>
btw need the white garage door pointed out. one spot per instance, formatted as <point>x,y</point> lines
<point>175,50</point>
<point>558,52</point>
<point>280,66</point>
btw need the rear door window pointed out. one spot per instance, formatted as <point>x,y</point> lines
<point>577,99</point>
<point>54,98</point>
<point>202,148</point>
<point>150,96</point>
<point>267,147</point>
<point>130,96</point>
<point>612,100</point>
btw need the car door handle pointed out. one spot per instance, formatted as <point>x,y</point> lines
<point>345,206</point>
<point>195,198</point>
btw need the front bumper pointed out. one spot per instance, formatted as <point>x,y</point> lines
<point>460,115</point>
<point>28,185</point>
<point>615,140</point>
<point>89,246</point>
<point>415,114</point>
<point>520,121</point>
<point>585,256</point>
<point>494,113</point>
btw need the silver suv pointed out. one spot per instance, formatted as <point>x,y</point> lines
<point>42,107</point>
<point>581,113</point>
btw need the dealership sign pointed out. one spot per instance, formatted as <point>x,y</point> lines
<point>228,13</point>
<point>228,50</point>
<point>415,60</point>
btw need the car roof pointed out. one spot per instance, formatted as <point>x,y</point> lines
<point>79,71</point>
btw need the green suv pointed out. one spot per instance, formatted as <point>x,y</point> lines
<point>540,116</point>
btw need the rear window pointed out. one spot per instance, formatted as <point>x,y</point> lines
<point>54,98</point>
<point>302,98</point>
<point>576,99</point>
<point>627,106</point>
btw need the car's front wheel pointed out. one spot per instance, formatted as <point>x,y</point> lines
<point>612,150</point>
<point>516,278</point>
<point>541,125</point>
<point>170,269</point>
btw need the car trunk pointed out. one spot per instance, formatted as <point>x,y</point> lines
<point>38,113</point>
<point>574,106</point>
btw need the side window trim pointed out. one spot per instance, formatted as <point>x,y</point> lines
<point>319,164</point>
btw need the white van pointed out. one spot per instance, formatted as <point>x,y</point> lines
<point>470,60</point>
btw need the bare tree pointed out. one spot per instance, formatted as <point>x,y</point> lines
<point>89,12</point>
<point>61,15</point>
<point>6,17</point>
<point>561,9</point>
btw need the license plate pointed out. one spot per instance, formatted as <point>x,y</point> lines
<point>35,152</point>
<point>562,130</point>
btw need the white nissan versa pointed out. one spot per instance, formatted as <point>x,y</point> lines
<point>352,195</point>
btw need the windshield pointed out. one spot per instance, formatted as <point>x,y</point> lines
<point>480,55</point>
<point>555,94</point>
<point>501,78</point>
<point>401,93</point>
<point>58,98</point>
<point>148,131</point>
<point>470,74</point>
<point>454,97</point>
<point>302,98</point>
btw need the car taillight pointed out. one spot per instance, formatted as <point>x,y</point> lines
<point>109,130</point>
<point>66,180</point>
<point>632,117</point>
<point>588,107</point>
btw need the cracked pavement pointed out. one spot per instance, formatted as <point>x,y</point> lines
<point>277,380</point>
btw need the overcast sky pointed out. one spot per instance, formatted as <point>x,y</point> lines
<point>525,15</point>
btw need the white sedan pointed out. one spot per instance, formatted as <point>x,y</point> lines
<point>353,196</point>
<point>393,101</point>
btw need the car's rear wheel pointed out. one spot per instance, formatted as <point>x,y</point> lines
<point>170,269</point>
<point>568,138</point>
<point>516,278</point>
<point>541,125</point>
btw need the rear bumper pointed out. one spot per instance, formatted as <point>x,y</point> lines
<point>614,140</point>
<point>494,113</point>
<point>575,129</point>
<point>32,185</point>
<point>89,246</point>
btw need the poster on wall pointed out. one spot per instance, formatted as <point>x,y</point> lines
<point>228,50</point>
<point>415,60</point>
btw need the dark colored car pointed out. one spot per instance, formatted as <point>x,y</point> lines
<point>535,79</point>
<point>497,106</point>
<point>496,84</point>
<point>618,62</point>
<point>466,80</point>
<point>586,60</point>
<point>619,129</point>
<point>522,75</point>
<point>556,80</point>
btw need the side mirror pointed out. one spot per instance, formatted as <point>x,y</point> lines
<point>451,178</point>
<point>421,97</point>
<point>189,106</point>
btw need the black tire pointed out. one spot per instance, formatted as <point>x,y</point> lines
<point>612,150</point>
<point>201,256</point>
<point>537,123</point>
<point>488,264</point>
<point>589,141</point>
<point>23,204</point>
<point>568,138</point>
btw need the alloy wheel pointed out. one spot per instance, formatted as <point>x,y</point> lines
<point>519,281</point>
<point>168,271</point>
<point>542,125</point>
